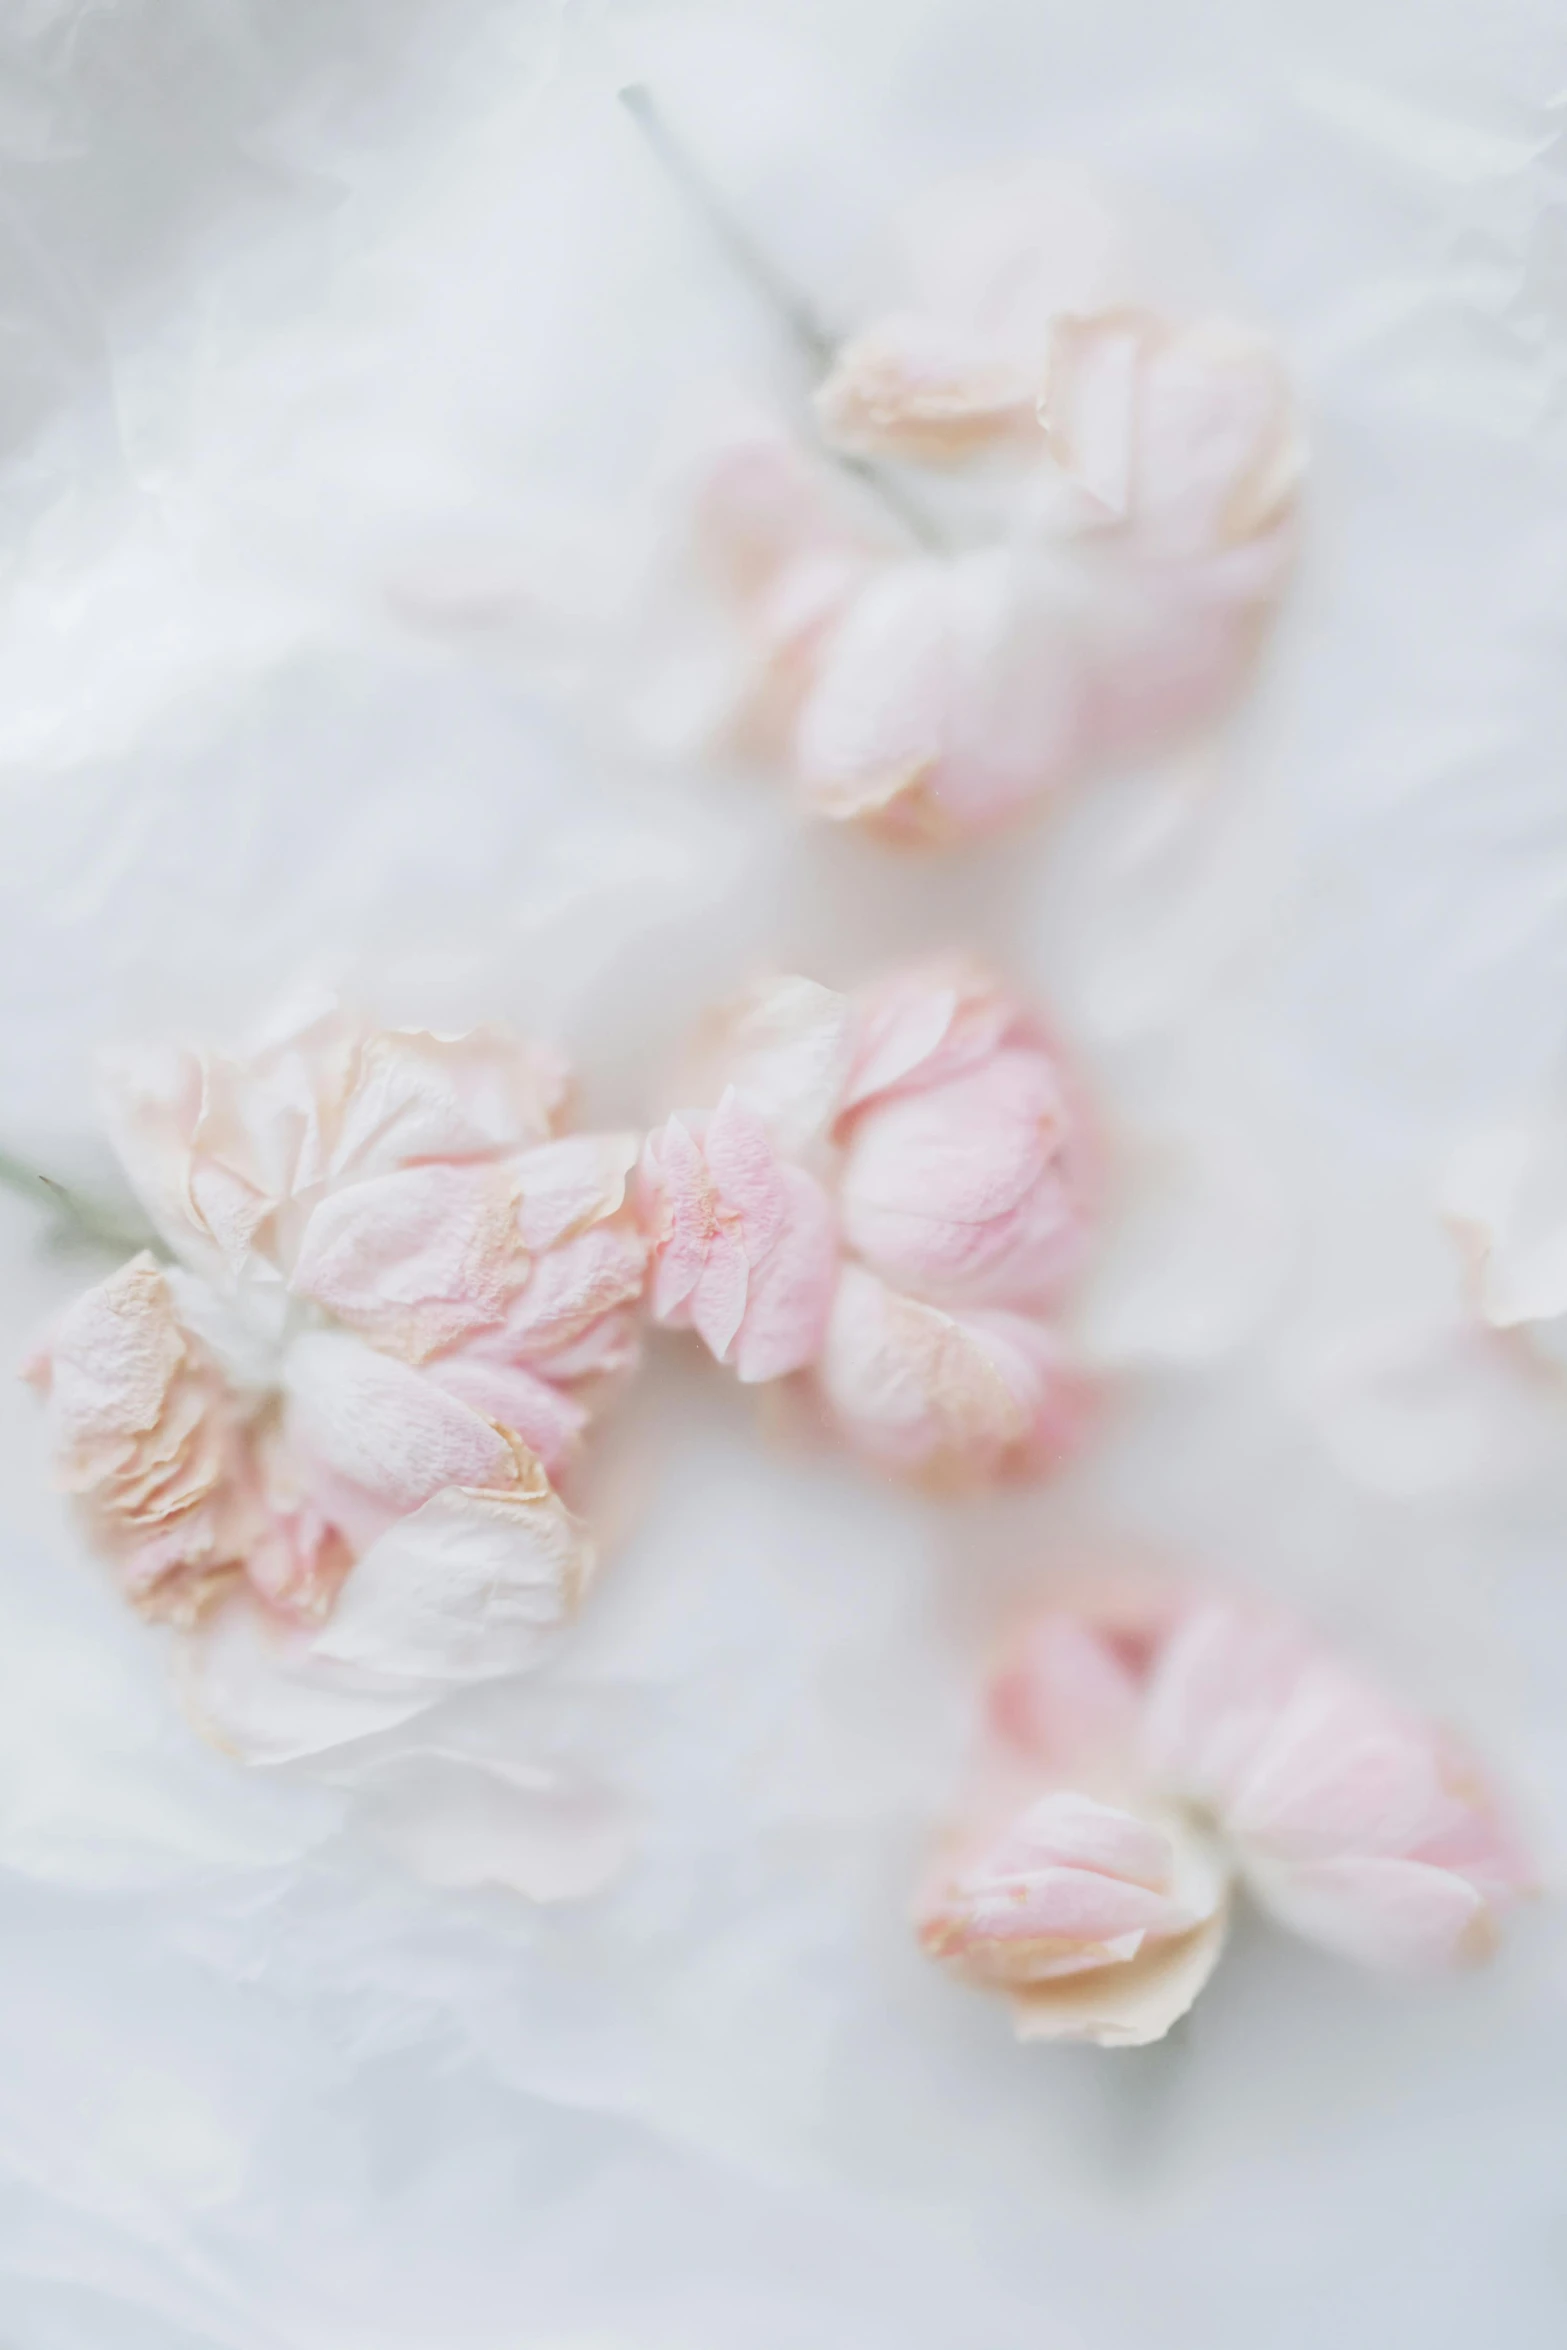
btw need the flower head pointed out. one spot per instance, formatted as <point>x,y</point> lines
<point>1133,1777</point>
<point>1119,474</point>
<point>890,1195</point>
<point>393,1290</point>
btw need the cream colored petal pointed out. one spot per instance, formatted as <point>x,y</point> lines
<point>567,1185</point>
<point>415,1095</point>
<point>1125,2006</point>
<point>257,1686</point>
<point>786,1045</point>
<point>470,1587</point>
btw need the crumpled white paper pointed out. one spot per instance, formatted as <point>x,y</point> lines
<point>338,345</point>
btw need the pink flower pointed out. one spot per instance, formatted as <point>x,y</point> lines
<point>393,1298</point>
<point>1097,1923</point>
<point>1116,521</point>
<point>890,1196</point>
<point>1163,1761</point>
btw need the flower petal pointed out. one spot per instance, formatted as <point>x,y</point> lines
<point>470,1587</point>
<point>416,1259</point>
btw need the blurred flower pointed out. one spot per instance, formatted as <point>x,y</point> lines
<point>1506,1202</point>
<point>1137,1770</point>
<point>1113,519</point>
<point>891,1194</point>
<point>393,1296</point>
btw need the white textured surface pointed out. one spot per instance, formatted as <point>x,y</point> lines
<point>332,339</point>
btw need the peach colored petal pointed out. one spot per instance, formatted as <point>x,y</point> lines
<point>148,1442</point>
<point>915,387</point>
<point>1127,2006</point>
<point>415,1095</point>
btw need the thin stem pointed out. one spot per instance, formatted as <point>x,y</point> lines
<point>811,336</point>
<point>78,1221</point>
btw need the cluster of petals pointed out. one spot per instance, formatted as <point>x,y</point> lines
<point>1139,1771</point>
<point>1101,592</point>
<point>887,1194</point>
<point>386,1294</point>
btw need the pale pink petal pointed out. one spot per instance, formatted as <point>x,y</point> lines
<point>953,1399</point>
<point>1068,1830</point>
<point>1387,1913</point>
<point>417,1259</point>
<point>744,1246</point>
<point>385,1426</point>
<point>929,1022</point>
<point>699,1263</point>
<point>1216,1691</point>
<point>786,1045</point>
<point>574,1315</point>
<point>976,1190</point>
<point>1341,1771</point>
<point>950,697</point>
<point>1065,1695</point>
<point>550,1421</point>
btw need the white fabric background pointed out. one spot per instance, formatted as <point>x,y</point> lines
<point>338,342</point>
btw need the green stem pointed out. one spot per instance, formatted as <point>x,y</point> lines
<point>77,1220</point>
<point>800,319</point>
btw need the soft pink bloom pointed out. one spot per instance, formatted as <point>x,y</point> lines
<point>393,1289</point>
<point>1098,1923</point>
<point>1164,1759</point>
<point>891,1195</point>
<point>745,1244</point>
<point>1097,583</point>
